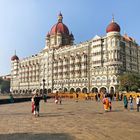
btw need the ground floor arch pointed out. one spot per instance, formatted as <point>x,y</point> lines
<point>78,90</point>
<point>84,90</point>
<point>94,90</point>
<point>112,90</point>
<point>103,90</point>
<point>65,89</point>
<point>72,90</point>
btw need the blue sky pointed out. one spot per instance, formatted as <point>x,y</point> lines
<point>25,23</point>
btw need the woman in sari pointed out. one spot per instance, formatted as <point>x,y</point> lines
<point>106,103</point>
<point>125,101</point>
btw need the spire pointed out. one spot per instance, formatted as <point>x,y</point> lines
<point>71,35</point>
<point>60,17</point>
<point>14,57</point>
<point>125,33</point>
<point>113,18</point>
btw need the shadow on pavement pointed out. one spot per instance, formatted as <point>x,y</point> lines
<point>31,136</point>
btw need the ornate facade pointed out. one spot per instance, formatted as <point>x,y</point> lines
<point>91,66</point>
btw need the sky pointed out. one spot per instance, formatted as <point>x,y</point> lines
<point>25,23</point>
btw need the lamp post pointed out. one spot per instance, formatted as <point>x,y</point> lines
<point>43,88</point>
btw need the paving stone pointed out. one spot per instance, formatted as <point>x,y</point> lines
<point>83,120</point>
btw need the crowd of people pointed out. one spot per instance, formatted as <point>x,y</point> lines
<point>130,100</point>
<point>106,99</point>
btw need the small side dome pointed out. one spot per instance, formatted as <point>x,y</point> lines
<point>71,35</point>
<point>15,57</point>
<point>48,34</point>
<point>113,27</point>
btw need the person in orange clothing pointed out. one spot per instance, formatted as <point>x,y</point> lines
<point>106,103</point>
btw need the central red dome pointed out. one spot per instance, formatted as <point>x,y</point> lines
<point>59,28</point>
<point>113,27</point>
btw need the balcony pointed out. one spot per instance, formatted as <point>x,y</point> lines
<point>77,68</point>
<point>60,63</point>
<point>65,63</point>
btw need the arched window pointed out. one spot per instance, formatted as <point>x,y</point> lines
<point>109,42</point>
<point>114,79</point>
<point>113,42</point>
<point>118,42</point>
<point>94,80</point>
<point>104,79</point>
<point>98,80</point>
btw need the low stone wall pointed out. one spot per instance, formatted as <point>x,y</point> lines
<point>15,100</point>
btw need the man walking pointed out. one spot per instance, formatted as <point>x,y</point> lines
<point>36,103</point>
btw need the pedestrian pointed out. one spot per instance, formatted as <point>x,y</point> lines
<point>110,103</point>
<point>99,95</point>
<point>56,98</point>
<point>45,98</point>
<point>86,96</point>
<point>33,104</point>
<point>125,101</point>
<point>106,103</point>
<point>121,97</point>
<point>96,98</point>
<point>60,99</point>
<point>77,95</point>
<point>115,97</point>
<point>138,103</point>
<point>11,98</point>
<point>111,96</point>
<point>36,102</point>
<point>131,102</point>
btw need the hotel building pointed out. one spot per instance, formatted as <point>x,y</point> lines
<point>90,66</point>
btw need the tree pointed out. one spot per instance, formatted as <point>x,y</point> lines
<point>4,85</point>
<point>129,82</point>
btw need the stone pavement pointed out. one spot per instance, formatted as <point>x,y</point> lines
<point>83,120</point>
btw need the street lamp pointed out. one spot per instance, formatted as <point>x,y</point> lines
<point>43,88</point>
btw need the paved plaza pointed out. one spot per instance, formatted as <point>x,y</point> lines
<point>83,120</point>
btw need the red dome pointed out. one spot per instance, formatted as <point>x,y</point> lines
<point>113,27</point>
<point>14,58</point>
<point>59,27</point>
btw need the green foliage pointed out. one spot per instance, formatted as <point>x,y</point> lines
<point>129,82</point>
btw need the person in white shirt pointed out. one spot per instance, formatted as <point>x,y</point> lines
<point>131,102</point>
<point>138,103</point>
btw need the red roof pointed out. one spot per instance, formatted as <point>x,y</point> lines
<point>14,58</point>
<point>59,27</point>
<point>113,27</point>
